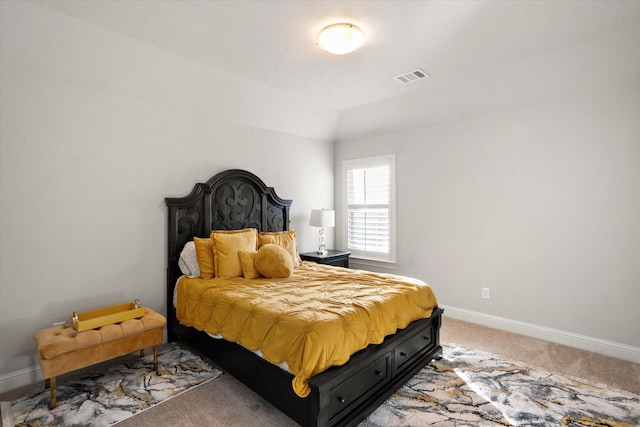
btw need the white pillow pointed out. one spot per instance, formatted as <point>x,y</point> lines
<point>188,261</point>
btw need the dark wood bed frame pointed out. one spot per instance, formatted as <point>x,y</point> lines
<point>343,395</point>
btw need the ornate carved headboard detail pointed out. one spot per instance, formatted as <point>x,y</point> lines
<point>231,200</point>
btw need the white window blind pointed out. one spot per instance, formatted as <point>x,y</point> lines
<point>369,207</point>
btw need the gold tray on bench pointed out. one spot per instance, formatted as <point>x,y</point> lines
<point>93,319</point>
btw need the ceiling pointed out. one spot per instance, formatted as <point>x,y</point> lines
<point>273,42</point>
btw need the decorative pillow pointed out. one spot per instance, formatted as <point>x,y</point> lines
<point>204,254</point>
<point>286,239</point>
<point>274,261</point>
<point>188,261</point>
<point>248,262</point>
<point>226,244</point>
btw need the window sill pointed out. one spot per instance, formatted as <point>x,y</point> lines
<point>355,262</point>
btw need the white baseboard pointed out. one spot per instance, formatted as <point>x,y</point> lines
<point>596,345</point>
<point>21,378</point>
<point>27,376</point>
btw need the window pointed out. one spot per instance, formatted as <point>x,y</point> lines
<point>369,203</point>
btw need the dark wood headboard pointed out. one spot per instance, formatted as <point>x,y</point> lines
<point>230,200</point>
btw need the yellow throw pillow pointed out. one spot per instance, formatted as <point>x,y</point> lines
<point>226,244</point>
<point>204,254</point>
<point>274,261</point>
<point>286,239</point>
<point>248,262</point>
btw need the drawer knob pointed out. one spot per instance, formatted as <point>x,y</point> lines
<point>341,399</point>
<point>425,337</point>
<point>403,354</point>
<point>378,372</point>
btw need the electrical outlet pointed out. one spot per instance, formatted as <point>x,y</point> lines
<point>485,293</point>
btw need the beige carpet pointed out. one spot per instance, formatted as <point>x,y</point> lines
<point>105,397</point>
<point>226,402</point>
<point>594,367</point>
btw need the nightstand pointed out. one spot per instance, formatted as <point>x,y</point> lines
<point>337,258</point>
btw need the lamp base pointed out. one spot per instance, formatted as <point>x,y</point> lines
<point>322,248</point>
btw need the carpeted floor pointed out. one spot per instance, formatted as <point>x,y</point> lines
<point>108,396</point>
<point>470,387</point>
<point>594,367</point>
<point>226,402</point>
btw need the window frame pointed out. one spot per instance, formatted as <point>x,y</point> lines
<point>365,163</point>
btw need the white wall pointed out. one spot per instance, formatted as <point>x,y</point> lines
<point>540,203</point>
<point>96,130</point>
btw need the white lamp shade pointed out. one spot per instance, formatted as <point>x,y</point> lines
<point>322,218</point>
<point>341,38</point>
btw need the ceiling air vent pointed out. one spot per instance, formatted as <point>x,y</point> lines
<point>412,76</point>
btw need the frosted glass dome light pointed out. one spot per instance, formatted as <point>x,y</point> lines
<point>340,38</point>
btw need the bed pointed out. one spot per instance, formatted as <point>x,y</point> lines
<point>340,395</point>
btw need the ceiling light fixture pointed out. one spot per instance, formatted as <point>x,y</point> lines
<point>340,38</point>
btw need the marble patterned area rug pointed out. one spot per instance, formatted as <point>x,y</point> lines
<point>116,393</point>
<point>473,388</point>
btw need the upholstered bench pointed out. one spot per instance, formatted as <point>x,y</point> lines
<point>62,349</point>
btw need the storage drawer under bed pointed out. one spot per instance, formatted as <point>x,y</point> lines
<point>407,349</point>
<point>358,386</point>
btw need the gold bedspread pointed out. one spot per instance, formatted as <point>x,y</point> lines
<point>312,320</point>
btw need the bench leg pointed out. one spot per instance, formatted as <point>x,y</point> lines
<point>155,357</point>
<point>51,382</point>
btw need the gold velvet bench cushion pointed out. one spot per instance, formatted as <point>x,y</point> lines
<point>62,349</point>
